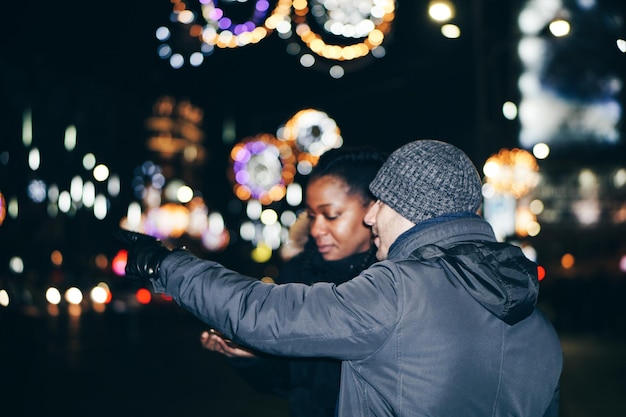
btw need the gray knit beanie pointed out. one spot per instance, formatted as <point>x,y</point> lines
<point>428,178</point>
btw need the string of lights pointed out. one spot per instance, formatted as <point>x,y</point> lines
<point>324,35</point>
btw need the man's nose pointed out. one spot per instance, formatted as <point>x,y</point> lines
<point>370,216</point>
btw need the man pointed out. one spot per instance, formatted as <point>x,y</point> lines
<point>444,325</point>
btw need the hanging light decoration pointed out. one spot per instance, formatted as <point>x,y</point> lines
<point>262,167</point>
<point>200,26</point>
<point>333,36</point>
<point>181,41</point>
<point>341,32</point>
<point>176,130</point>
<point>310,132</point>
<point>223,30</point>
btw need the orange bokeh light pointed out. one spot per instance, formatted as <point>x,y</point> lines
<point>567,261</point>
<point>143,295</point>
<point>541,272</point>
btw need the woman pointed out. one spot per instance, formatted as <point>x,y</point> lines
<point>330,243</point>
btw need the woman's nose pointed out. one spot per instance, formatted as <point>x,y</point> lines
<point>317,227</point>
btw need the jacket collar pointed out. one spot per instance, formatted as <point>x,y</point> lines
<point>441,230</point>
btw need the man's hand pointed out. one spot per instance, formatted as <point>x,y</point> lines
<point>145,254</point>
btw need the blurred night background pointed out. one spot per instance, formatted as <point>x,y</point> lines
<point>197,122</point>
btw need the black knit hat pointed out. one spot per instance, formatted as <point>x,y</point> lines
<point>428,178</point>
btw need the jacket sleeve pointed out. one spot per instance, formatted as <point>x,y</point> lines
<point>347,322</point>
<point>553,408</point>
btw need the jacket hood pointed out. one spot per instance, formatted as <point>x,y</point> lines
<point>497,275</point>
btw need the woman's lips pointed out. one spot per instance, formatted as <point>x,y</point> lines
<point>324,248</point>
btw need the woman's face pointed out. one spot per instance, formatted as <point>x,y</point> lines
<point>336,218</point>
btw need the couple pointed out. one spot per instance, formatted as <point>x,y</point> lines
<point>445,323</point>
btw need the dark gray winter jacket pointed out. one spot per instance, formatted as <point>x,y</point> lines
<point>446,326</point>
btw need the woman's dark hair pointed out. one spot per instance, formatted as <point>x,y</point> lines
<point>357,166</point>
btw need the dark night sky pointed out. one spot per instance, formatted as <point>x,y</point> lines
<point>97,66</point>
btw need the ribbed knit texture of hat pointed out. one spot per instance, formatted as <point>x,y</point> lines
<point>428,178</point>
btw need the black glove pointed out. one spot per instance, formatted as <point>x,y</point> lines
<point>145,254</point>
